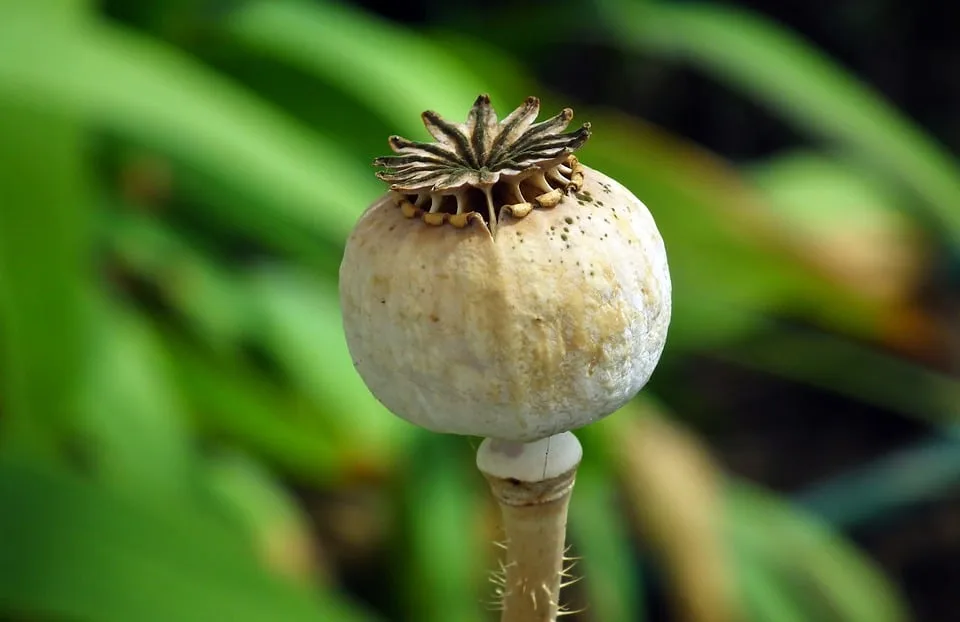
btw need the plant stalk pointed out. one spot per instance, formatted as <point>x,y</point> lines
<point>534,521</point>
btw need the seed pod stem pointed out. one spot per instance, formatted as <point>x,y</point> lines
<point>532,483</point>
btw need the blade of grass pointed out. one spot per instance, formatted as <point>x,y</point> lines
<point>220,205</point>
<point>441,503</point>
<point>607,563</point>
<point>77,551</point>
<point>300,324</point>
<point>293,316</point>
<point>909,476</point>
<point>150,92</point>
<point>791,76</point>
<point>133,426</point>
<point>674,488</point>
<point>847,368</point>
<point>332,41</point>
<point>63,11</point>
<point>764,597</point>
<point>816,568</point>
<point>837,204</point>
<point>233,401</point>
<point>213,304</point>
<point>264,509</point>
<point>44,275</point>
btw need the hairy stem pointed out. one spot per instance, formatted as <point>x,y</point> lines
<point>533,502</point>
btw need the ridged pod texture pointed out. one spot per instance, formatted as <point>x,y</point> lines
<point>552,323</point>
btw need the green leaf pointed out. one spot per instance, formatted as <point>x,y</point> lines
<point>398,78</point>
<point>442,577</point>
<point>258,503</point>
<point>292,315</point>
<point>921,472</point>
<point>233,400</point>
<point>60,10</point>
<point>300,324</point>
<point>45,273</point>
<point>847,368</point>
<point>607,563</point>
<point>153,93</point>
<point>815,569</point>
<point>133,425</point>
<point>764,598</point>
<point>77,551</point>
<point>203,292</point>
<point>786,73</point>
<point>821,193</point>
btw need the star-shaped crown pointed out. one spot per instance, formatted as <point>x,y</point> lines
<point>481,151</point>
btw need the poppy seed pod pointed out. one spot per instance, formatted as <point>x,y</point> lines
<point>501,288</point>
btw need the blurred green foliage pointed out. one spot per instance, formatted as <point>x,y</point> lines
<point>176,182</point>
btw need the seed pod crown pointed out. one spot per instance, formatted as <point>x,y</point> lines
<point>494,157</point>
